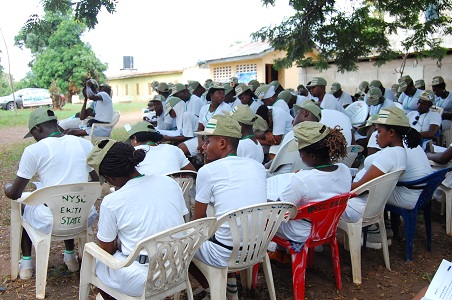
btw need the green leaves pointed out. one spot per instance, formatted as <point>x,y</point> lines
<point>343,32</point>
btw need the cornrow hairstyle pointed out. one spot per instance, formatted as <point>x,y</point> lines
<point>410,136</point>
<point>121,160</point>
<point>146,136</point>
<point>333,146</point>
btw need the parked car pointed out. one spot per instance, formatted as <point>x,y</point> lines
<point>28,97</point>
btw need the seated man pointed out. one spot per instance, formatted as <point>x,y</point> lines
<point>376,101</point>
<point>227,182</point>
<point>155,115</point>
<point>103,111</point>
<point>57,159</point>
<point>344,98</point>
<point>426,122</point>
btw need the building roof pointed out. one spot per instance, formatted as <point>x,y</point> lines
<point>242,51</point>
<point>127,74</point>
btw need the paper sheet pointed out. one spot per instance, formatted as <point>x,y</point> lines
<point>441,286</point>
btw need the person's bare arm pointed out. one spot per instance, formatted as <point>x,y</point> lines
<point>441,157</point>
<point>372,173</point>
<point>110,247</point>
<point>200,210</point>
<point>14,190</point>
<point>431,133</point>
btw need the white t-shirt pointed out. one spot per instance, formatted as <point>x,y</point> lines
<point>375,109</point>
<point>229,184</point>
<point>205,114</point>
<point>330,102</point>
<point>332,118</point>
<point>309,186</point>
<point>423,121</point>
<point>301,99</point>
<point>142,207</point>
<point>247,148</point>
<point>161,159</point>
<point>372,142</point>
<point>389,94</point>
<point>282,104</point>
<point>194,105</point>
<point>57,160</point>
<point>104,108</point>
<point>255,104</point>
<point>446,104</point>
<point>282,121</point>
<point>410,103</point>
<point>344,99</point>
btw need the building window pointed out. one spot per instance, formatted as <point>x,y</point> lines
<point>222,74</point>
<point>138,88</point>
<point>246,68</point>
<point>127,89</point>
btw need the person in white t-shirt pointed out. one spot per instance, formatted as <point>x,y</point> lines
<point>215,95</point>
<point>103,110</point>
<point>409,94</point>
<point>227,182</point>
<point>387,93</point>
<point>376,101</point>
<point>317,86</point>
<point>155,115</point>
<point>290,98</point>
<point>160,159</point>
<point>425,121</point>
<point>270,98</point>
<point>319,147</point>
<point>342,97</point>
<point>57,159</point>
<point>394,132</point>
<point>443,99</point>
<point>249,146</point>
<point>247,97</point>
<point>333,118</point>
<point>141,206</point>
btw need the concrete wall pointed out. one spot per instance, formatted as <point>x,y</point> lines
<point>421,69</point>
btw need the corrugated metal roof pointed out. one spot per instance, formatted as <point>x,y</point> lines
<point>242,49</point>
<point>142,74</point>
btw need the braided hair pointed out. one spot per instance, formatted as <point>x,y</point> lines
<point>410,136</point>
<point>145,136</point>
<point>121,160</point>
<point>332,146</point>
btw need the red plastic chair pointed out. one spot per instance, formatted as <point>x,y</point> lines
<point>324,217</point>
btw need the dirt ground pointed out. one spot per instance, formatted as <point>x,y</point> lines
<point>403,281</point>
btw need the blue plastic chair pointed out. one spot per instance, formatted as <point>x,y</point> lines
<point>428,184</point>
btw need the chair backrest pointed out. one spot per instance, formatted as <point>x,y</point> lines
<point>352,153</point>
<point>70,205</point>
<point>324,216</point>
<point>252,229</point>
<point>170,253</point>
<point>285,157</point>
<point>116,115</point>
<point>430,183</point>
<point>357,112</point>
<point>186,179</point>
<point>379,189</point>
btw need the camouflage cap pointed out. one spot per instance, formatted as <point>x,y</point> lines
<point>419,83</point>
<point>373,96</point>
<point>392,116</point>
<point>427,95</point>
<point>221,125</point>
<point>317,81</point>
<point>243,114</point>
<point>437,80</point>
<point>307,133</point>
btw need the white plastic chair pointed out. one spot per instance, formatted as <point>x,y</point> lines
<point>352,153</point>
<point>93,138</point>
<point>170,253</point>
<point>446,200</point>
<point>186,180</point>
<point>379,190</point>
<point>358,112</point>
<point>70,205</point>
<point>285,157</point>
<point>252,229</point>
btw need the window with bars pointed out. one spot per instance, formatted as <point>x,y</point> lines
<point>222,74</point>
<point>245,68</point>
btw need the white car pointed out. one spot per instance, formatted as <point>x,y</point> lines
<point>28,97</point>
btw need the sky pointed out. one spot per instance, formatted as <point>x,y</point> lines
<point>159,34</point>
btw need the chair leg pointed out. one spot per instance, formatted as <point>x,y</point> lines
<point>384,242</point>
<point>354,240</point>
<point>87,270</point>
<point>42,262</point>
<point>299,273</point>
<point>449,211</point>
<point>428,224</point>
<point>268,276</point>
<point>254,276</point>
<point>15,238</point>
<point>310,260</point>
<point>336,261</point>
<point>409,220</point>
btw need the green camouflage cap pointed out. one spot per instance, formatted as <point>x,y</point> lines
<point>265,91</point>
<point>228,88</point>
<point>208,83</point>
<point>254,84</point>
<point>373,96</point>
<point>363,130</point>
<point>404,82</point>
<point>39,116</point>
<point>375,83</point>
<point>285,95</point>
<point>307,133</point>
<point>193,85</point>
<point>437,80</point>
<point>427,95</point>
<point>159,98</point>
<point>241,88</point>
<point>275,83</point>
<point>178,87</point>
<point>260,125</point>
<point>221,125</point>
<point>317,81</point>
<point>335,87</point>
<point>242,114</point>
<point>363,86</point>
<point>139,127</point>
<point>392,116</point>
<point>419,83</point>
<point>310,106</point>
<point>162,87</point>
<point>98,153</point>
<point>170,103</point>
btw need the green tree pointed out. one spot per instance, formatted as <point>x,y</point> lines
<point>341,35</point>
<point>63,58</point>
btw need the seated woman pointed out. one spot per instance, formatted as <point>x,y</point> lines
<point>394,131</point>
<point>155,202</point>
<point>319,147</point>
<point>160,159</point>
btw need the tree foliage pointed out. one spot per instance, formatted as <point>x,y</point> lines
<point>345,31</point>
<point>59,55</point>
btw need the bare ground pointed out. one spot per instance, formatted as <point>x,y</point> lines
<point>403,281</point>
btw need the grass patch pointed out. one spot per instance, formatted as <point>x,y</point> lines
<point>20,117</point>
